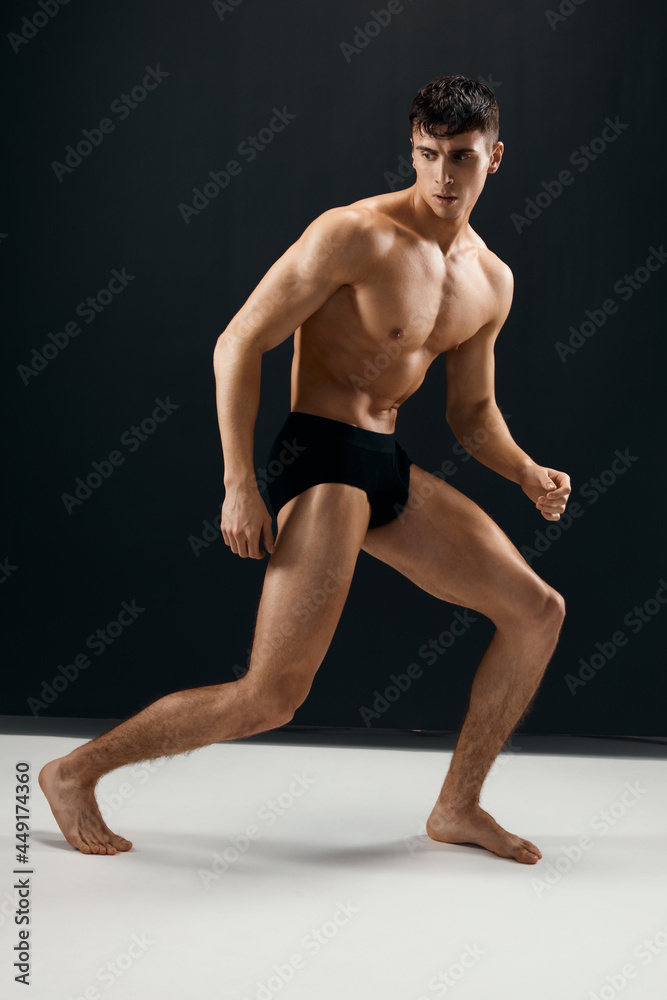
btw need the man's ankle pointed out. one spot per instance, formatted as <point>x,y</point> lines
<point>457,802</point>
<point>70,769</point>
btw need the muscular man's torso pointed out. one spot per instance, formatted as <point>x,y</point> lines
<point>367,349</point>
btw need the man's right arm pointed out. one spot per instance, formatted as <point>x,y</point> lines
<point>332,251</point>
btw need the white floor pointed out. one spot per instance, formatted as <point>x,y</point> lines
<point>305,872</point>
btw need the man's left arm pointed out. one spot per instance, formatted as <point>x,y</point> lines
<point>478,424</point>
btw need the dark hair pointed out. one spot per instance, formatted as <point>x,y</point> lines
<point>452,105</point>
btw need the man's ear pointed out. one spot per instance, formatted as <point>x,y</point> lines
<point>496,157</point>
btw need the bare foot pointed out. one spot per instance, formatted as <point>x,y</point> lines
<point>77,814</point>
<point>475,826</point>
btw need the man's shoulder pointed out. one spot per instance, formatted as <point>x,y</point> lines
<point>499,278</point>
<point>358,234</point>
<point>497,272</point>
<point>363,219</point>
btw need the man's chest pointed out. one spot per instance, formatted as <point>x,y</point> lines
<point>434,304</point>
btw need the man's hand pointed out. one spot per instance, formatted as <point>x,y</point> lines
<point>548,489</point>
<point>243,519</point>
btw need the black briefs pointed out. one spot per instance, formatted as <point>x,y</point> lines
<point>311,449</point>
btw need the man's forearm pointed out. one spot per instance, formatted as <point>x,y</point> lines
<point>483,432</point>
<point>238,370</point>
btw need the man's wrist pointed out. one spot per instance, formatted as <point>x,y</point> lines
<point>241,480</point>
<point>523,471</point>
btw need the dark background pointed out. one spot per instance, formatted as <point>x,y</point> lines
<point>65,575</point>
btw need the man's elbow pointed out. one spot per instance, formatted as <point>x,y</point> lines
<point>221,346</point>
<point>229,334</point>
<point>234,338</point>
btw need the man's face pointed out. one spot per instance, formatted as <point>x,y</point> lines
<point>454,167</point>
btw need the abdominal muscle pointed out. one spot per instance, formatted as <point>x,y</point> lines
<point>357,389</point>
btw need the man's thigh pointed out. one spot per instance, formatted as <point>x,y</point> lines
<point>307,580</point>
<point>447,545</point>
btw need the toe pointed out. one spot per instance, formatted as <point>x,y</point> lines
<point>117,842</point>
<point>532,848</point>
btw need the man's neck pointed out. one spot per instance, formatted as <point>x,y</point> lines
<point>449,234</point>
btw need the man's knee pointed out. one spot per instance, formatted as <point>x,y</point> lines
<point>267,707</point>
<point>546,608</point>
<point>557,606</point>
<point>537,607</point>
<point>282,705</point>
<point>279,714</point>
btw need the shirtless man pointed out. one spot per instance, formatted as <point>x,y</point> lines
<point>394,280</point>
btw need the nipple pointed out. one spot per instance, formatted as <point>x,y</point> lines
<point>396,332</point>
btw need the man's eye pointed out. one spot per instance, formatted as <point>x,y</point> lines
<point>457,156</point>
